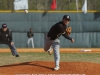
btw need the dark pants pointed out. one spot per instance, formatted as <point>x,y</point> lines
<point>12,48</point>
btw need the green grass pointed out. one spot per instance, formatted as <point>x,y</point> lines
<point>7,58</point>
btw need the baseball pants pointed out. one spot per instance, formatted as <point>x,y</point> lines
<point>12,48</point>
<point>30,40</point>
<point>55,44</point>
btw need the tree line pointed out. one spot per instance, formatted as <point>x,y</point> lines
<point>45,4</point>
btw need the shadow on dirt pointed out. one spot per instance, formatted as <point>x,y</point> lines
<point>27,63</point>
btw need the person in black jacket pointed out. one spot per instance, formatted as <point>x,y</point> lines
<point>52,39</point>
<point>30,35</point>
<point>6,38</point>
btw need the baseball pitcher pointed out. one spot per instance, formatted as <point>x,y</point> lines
<point>52,39</point>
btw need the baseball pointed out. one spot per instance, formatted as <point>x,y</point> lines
<point>26,11</point>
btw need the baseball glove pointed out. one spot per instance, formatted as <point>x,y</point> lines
<point>68,30</point>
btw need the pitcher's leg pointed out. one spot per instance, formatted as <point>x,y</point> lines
<point>56,46</point>
<point>47,44</point>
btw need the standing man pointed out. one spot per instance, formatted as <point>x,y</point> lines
<point>30,35</point>
<point>52,39</point>
<point>6,38</point>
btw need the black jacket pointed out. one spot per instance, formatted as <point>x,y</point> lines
<point>30,34</point>
<point>6,36</point>
<point>57,30</point>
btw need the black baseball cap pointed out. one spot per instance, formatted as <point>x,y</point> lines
<point>4,25</point>
<point>66,17</point>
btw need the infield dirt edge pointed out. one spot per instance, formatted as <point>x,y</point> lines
<point>93,50</point>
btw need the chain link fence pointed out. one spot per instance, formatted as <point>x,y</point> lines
<point>45,4</point>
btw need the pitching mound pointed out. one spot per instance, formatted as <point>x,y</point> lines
<point>46,68</point>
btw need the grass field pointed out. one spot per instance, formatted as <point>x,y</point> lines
<point>7,58</point>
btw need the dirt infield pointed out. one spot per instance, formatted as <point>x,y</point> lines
<point>46,68</point>
<point>93,50</point>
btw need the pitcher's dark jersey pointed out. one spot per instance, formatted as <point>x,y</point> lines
<point>57,30</point>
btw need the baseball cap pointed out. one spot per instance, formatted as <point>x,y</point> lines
<point>4,25</point>
<point>66,17</point>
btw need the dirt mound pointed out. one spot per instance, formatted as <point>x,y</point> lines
<point>46,68</point>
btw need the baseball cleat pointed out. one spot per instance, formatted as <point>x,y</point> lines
<point>17,56</point>
<point>49,52</point>
<point>57,68</point>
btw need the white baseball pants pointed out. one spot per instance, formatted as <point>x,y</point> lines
<point>56,46</point>
<point>30,40</point>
